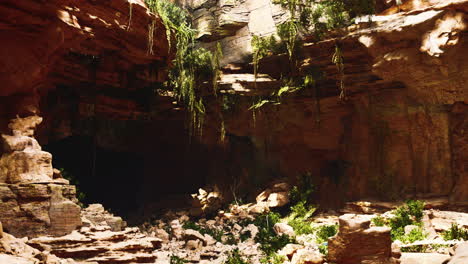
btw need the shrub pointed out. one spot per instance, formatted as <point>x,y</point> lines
<point>176,260</point>
<point>234,257</point>
<point>415,235</point>
<point>266,237</point>
<point>322,235</point>
<point>81,196</point>
<point>215,233</point>
<point>273,259</point>
<point>408,214</point>
<point>455,233</point>
<point>379,221</point>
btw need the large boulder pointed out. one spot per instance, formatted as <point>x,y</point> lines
<point>357,242</point>
<point>461,254</point>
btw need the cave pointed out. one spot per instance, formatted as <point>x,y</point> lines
<point>240,131</point>
<point>111,178</point>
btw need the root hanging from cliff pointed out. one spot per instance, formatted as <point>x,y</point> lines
<point>151,28</point>
<point>338,60</point>
<point>130,14</point>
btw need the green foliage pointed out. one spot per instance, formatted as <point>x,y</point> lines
<point>177,260</point>
<point>266,237</point>
<point>245,235</point>
<point>326,231</point>
<point>273,259</point>
<point>414,235</point>
<point>262,47</point>
<point>213,232</point>
<point>81,196</point>
<point>338,60</point>
<point>235,257</point>
<point>408,214</point>
<point>322,235</point>
<point>301,210</point>
<point>302,190</point>
<point>379,221</point>
<point>191,64</point>
<point>455,233</point>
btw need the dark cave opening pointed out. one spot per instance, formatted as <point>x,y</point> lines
<point>105,176</point>
<point>133,185</point>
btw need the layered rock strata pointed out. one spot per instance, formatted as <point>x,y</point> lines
<point>65,47</point>
<point>357,242</point>
<point>33,202</point>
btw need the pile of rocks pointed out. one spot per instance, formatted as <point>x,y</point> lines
<point>206,201</point>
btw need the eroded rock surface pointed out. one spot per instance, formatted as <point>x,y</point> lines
<point>356,242</point>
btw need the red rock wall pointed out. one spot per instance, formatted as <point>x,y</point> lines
<point>84,50</point>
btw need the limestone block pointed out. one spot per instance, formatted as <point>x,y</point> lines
<point>356,242</point>
<point>307,256</point>
<point>19,143</point>
<point>26,167</point>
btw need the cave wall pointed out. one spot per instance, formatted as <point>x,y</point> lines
<point>64,61</point>
<point>401,132</point>
<point>83,71</point>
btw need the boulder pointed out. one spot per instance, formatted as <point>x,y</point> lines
<point>97,215</point>
<point>289,250</point>
<point>423,258</point>
<point>461,254</point>
<point>278,199</point>
<point>283,229</point>
<point>307,256</point>
<point>356,242</point>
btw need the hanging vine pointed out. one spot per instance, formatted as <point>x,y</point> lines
<point>191,64</point>
<point>338,60</point>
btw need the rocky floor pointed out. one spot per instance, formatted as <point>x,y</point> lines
<point>179,238</point>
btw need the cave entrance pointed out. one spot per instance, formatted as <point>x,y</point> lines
<point>135,184</point>
<point>104,176</point>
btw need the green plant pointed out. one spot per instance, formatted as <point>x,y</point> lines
<point>338,60</point>
<point>177,260</point>
<point>235,257</point>
<point>191,64</point>
<point>455,233</point>
<point>379,221</point>
<point>408,214</point>
<point>266,237</point>
<point>81,196</point>
<point>213,232</point>
<point>322,234</point>
<point>263,46</point>
<point>245,235</point>
<point>273,259</point>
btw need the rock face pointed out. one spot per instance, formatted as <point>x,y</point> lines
<point>33,202</point>
<point>402,131</point>
<point>48,46</point>
<point>233,22</point>
<point>356,242</point>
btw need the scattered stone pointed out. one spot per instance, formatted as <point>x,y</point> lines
<point>461,254</point>
<point>357,242</point>
<point>423,258</point>
<point>410,228</point>
<point>289,250</point>
<point>284,229</point>
<point>307,256</point>
<point>97,215</point>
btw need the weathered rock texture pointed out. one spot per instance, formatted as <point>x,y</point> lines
<point>402,131</point>
<point>356,242</point>
<point>76,48</point>
<point>32,201</point>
